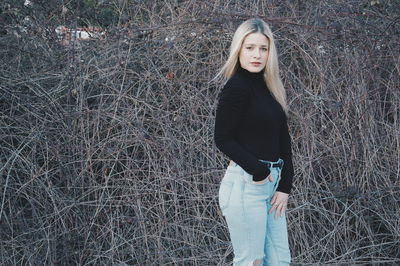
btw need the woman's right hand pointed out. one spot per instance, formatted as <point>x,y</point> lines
<point>269,178</point>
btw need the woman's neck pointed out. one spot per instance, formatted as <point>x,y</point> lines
<point>252,75</point>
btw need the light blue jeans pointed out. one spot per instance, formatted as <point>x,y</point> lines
<point>255,234</point>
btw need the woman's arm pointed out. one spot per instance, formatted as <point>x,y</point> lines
<point>233,101</point>
<point>285,185</point>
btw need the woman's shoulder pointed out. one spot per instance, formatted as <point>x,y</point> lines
<point>237,85</point>
<point>237,80</point>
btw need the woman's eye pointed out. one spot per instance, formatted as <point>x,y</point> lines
<point>264,49</point>
<point>249,48</point>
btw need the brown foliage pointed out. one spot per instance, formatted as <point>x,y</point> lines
<point>106,147</point>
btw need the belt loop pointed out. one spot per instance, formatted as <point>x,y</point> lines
<point>281,162</point>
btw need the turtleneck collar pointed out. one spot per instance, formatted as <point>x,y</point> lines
<point>252,75</point>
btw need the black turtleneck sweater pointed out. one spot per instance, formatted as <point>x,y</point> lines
<point>251,125</point>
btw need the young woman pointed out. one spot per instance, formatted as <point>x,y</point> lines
<point>251,129</point>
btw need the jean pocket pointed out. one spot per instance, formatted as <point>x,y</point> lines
<point>261,182</point>
<point>264,181</point>
<point>224,194</point>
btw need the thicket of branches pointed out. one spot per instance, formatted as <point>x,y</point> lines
<point>106,146</point>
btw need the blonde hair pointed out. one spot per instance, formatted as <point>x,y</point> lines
<point>271,71</point>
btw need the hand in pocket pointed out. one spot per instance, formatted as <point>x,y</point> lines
<point>269,178</point>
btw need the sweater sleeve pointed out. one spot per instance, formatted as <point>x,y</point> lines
<point>233,101</point>
<point>285,185</point>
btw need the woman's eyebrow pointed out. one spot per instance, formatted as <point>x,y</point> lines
<point>253,44</point>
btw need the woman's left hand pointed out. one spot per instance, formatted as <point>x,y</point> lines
<point>279,203</point>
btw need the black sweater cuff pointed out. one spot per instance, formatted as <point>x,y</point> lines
<point>284,188</point>
<point>262,173</point>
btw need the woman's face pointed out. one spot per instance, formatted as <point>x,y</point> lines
<point>253,54</point>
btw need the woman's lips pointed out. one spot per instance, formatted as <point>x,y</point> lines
<point>255,64</point>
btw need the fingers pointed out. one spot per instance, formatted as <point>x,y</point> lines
<point>270,178</point>
<point>279,203</point>
<point>274,205</point>
<point>279,209</point>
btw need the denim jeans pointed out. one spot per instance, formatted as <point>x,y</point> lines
<point>255,234</point>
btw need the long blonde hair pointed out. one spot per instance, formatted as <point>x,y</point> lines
<point>271,71</point>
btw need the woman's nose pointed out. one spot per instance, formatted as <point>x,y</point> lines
<point>257,53</point>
